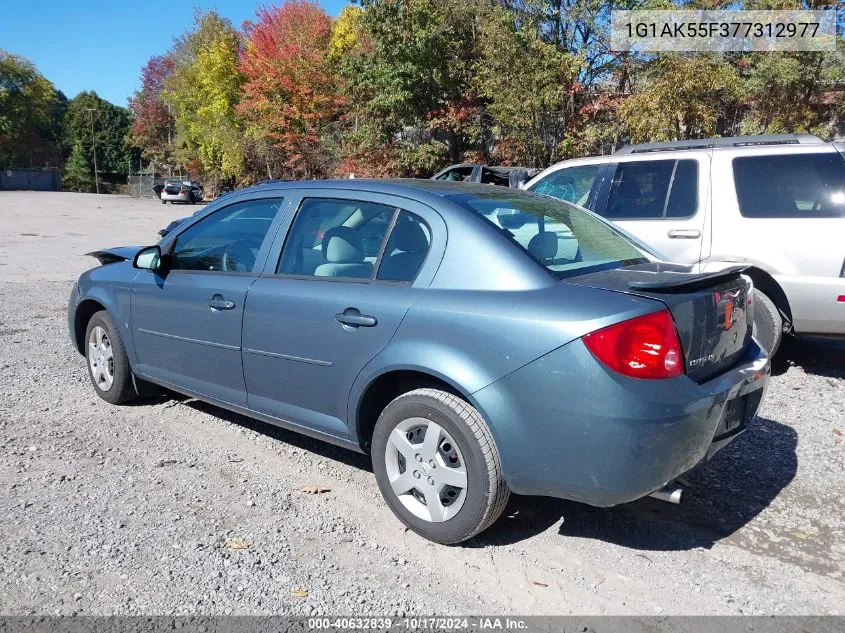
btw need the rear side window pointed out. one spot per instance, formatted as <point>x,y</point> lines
<point>653,189</point>
<point>790,186</point>
<point>335,238</point>
<point>406,249</point>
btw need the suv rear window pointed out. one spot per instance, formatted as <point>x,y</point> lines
<point>790,186</point>
<point>566,240</point>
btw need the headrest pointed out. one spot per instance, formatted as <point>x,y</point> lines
<point>410,237</point>
<point>342,245</point>
<point>543,245</point>
<point>512,219</point>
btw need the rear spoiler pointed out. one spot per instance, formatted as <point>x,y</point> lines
<point>687,282</point>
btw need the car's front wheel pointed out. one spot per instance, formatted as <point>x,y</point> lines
<point>437,466</point>
<point>108,365</point>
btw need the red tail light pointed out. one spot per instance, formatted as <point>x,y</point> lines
<point>643,347</point>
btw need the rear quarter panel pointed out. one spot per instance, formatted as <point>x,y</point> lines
<point>471,339</point>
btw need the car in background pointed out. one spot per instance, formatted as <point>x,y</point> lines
<point>774,204</point>
<point>546,355</point>
<point>184,191</point>
<point>503,176</point>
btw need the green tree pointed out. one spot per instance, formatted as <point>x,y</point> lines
<point>203,90</point>
<point>31,112</point>
<point>410,79</point>
<point>792,92</point>
<point>77,174</point>
<point>111,126</point>
<point>528,84</point>
<point>680,97</point>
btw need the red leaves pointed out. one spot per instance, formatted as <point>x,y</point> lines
<point>290,92</point>
<point>151,117</point>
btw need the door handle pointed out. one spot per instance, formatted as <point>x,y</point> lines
<point>684,234</point>
<point>352,317</point>
<point>217,302</point>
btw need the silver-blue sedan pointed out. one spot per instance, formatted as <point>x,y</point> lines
<point>474,340</point>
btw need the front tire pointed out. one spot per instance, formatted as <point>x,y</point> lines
<point>768,323</point>
<point>108,365</point>
<point>438,467</point>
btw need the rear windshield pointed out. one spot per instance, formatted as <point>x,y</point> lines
<point>564,239</point>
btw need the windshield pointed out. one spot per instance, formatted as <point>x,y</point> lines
<point>566,240</point>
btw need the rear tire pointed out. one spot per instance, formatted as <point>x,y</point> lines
<point>108,365</point>
<point>449,488</point>
<point>768,323</point>
<point>164,201</point>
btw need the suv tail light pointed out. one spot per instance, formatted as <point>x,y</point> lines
<point>643,347</point>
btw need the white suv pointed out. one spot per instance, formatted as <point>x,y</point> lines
<point>775,203</point>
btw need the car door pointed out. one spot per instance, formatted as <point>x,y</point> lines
<point>661,201</point>
<point>310,329</point>
<point>186,322</point>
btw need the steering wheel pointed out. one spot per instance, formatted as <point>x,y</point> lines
<point>238,257</point>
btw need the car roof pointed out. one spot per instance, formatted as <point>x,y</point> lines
<point>397,186</point>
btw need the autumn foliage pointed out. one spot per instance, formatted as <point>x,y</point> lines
<point>405,87</point>
<point>290,96</point>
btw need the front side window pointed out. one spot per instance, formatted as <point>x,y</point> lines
<point>572,184</point>
<point>653,189</point>
<point>227,240</point>
<point>335,238</point>
<point>566,240</point>
<point>790,186</point>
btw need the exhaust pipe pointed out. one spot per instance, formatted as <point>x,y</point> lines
<point>670,492</point>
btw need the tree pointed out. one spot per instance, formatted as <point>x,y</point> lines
<point>203,90</point>
<point>77,174</point>
<point>111,125</point>
<point>346,33</point>
<point>152,124</point>
<point>31,112</point>
<point>792,92</point>
<point>410,80</point>
<point>528,84</point>
<point>680,97</point>
<point>291,94</point>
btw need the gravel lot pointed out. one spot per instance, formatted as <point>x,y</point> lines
<point>176,507</point>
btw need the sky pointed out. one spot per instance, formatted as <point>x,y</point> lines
<point>101,45</point>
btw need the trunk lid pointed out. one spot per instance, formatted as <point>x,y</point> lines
<point>711,310</point>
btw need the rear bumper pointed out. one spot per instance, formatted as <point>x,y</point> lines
<point>567,427</point>
<point>176,197</point>
<point>814,305</point>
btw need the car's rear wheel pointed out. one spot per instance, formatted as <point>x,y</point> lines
<point>768,323</point>
<point>437,466</point>
<point>164,201</point>
<point>108,365</point>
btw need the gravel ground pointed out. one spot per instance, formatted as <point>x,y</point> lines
<point>177,507</point>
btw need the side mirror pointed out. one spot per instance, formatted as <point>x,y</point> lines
<point>148,258</point>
